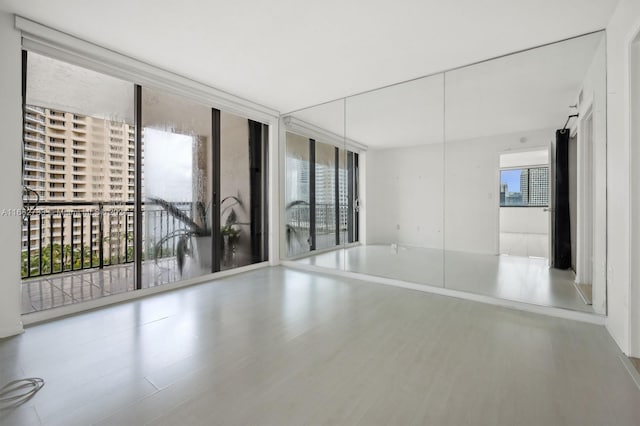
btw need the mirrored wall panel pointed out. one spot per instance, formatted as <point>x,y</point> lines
<point>525,143</point>
<point>487,179</point>
<point>400,130</point>
<point>317,222</point>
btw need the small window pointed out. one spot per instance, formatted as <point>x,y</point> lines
<point>525,187</point>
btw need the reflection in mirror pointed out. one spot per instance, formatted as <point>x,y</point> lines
<point>316,196</point>
<point>524,219</point>
<point>401,127</point>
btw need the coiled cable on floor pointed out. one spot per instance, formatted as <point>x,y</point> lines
<point>19,391</point>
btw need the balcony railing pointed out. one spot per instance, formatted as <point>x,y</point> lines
<point>39,159</point>
<point>31,127</point>
<point>73,236</point>
<point>34,138</point>
<point>298,217</point>
<point>34,109</point>
<point>34,168</point>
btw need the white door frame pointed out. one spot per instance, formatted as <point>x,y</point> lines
<point>634,195</point>
<point>498,179</point>
<point>552,198</point>
<point>585,200</point>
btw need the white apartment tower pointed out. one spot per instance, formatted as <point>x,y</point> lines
<point>76,164</point>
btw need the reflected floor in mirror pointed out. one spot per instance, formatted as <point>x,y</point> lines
<point>416,265</point>
<point>522,279</point>
<point>277,346</point>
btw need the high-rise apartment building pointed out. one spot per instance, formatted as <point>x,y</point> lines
<point>78,171</point>
<point>539,186</point>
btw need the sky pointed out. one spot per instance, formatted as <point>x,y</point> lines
<point>511,178</point>
<point>168,165</point>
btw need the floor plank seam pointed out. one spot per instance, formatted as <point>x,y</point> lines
<point>152,384</point>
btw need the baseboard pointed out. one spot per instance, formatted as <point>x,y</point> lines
<point>510,304</point>
<point>11,331</point>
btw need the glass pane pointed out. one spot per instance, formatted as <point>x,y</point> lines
<point>538,187</point>
<point>177,191</point>
<point>78,184</point>
<point>326,210</point>
<point>524,187</point>
<point>243,151</point>
<point>297,211</point>
<point>402,129</point>
<point>513,184</point>
<point>504,119</point>
<point>346,233</point>
<point>312,184</point>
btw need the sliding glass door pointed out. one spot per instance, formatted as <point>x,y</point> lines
<point>127,187</point>
<point>321,205</point>
<point>177,189</point>
<point>77,183</point>
<point>243,191</point>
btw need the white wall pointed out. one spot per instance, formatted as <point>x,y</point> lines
<point>404,190</point>
<point>622,302</point>
<point>10,159</point>
<point>594,97</point>
<point>634,311</point>
<point>524,158</point>
<point>622,27</point>
<point>524,231</point>
<point>472,192</point>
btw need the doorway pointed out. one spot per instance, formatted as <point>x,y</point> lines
<point>524,204</point>
<point>634,118</point>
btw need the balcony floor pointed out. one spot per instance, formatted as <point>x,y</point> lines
<point>68,288</point>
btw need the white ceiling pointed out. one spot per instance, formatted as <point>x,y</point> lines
<point>289,54</point>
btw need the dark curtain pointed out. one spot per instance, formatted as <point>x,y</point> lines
<point>258,191</point>
<point>562,218</point>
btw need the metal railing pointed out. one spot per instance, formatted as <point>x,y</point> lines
<point>62,236</point>
<point>298,217</point>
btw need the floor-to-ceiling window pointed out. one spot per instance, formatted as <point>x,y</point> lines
<point>320,195</point>
<point>297,195</point>
<point>127,187</point>
<point>326,208</point>
<point>77,182</point>
<point>243,191</point>
<point>176,188</point>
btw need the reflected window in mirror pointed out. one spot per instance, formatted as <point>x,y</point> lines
<point>524,187</point>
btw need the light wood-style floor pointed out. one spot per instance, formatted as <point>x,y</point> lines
<point>282,347</point>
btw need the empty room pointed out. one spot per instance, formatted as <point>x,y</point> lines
<point>320,213</point>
